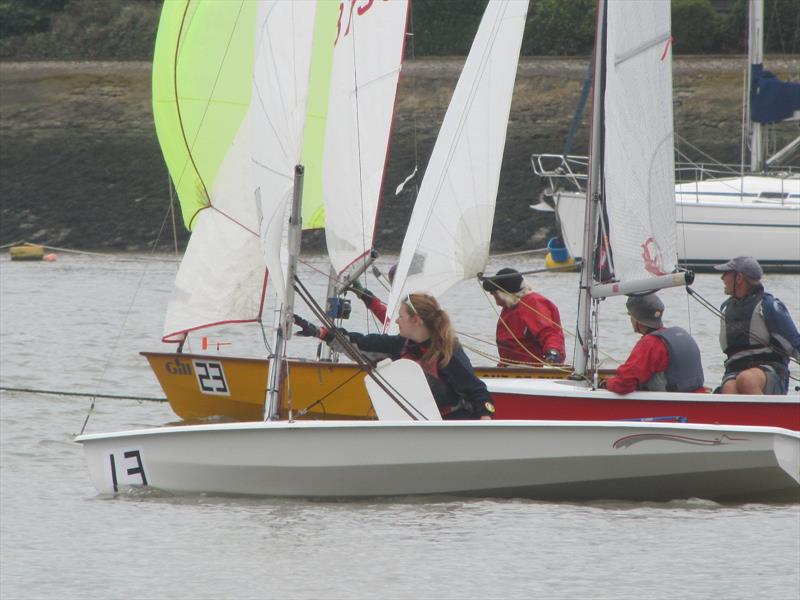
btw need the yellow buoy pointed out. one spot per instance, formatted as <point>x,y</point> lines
<point>550,263</point>
<point>27,252</point>
<point>558,256</point>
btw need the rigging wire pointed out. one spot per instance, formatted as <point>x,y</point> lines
<point>81,394</point>
<point>116,341</point>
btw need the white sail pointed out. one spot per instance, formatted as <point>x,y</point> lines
<point>638,155</point>
<point>367,58</point>
<point>280,88</point>
<point>450,229</point>
<point>202,74</point>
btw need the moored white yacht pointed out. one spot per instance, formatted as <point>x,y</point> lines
<point>717,218</point>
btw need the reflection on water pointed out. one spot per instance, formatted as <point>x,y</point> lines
<point>78,325</point>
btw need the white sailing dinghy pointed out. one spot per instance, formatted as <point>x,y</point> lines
<point>544,459</point>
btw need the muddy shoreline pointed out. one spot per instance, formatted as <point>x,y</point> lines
<point>80,165</point>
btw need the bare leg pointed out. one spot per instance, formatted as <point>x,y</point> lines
<point>749,381</point>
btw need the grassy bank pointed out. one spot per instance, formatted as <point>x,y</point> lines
<point>81,167</point>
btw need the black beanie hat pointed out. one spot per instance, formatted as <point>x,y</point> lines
<point>506,280</point>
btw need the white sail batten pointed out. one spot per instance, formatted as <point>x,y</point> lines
<point>639,173</point>
<point>284,36</point>
<point>450,228</point>
<point>367,59</point>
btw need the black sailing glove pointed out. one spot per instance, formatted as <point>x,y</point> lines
<point>359,290</point>
<point>306,328</point>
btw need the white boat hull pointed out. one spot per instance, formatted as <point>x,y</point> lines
<point>718,219</point>
<point>536,459</point>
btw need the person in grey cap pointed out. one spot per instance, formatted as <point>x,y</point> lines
<point>757,334</point>
<point>664,359</point>
<point>529,328</point>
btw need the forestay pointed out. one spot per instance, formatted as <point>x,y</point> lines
<point>638,161</point>
<point>450,228</point>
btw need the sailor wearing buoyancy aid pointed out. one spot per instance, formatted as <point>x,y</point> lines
<point>664,359</point>
<point>757,333</point>
<point>426,337</point>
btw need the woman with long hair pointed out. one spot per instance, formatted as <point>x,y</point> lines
<point>427,338</point>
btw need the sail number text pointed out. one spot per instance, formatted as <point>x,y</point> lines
<point>347,6</point>
<point>211,377</point>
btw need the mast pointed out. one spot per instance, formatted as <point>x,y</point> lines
<point>285,320</point>
<point>594,192</point>
<point>755,55</point>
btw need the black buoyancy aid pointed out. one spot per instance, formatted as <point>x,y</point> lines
<point>744,335</point>
<point>684,371</point>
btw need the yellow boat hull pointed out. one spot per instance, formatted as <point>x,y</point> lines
<point>200,387</point>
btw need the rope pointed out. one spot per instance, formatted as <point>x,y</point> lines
<point>81,394</point>
<point>123,323</point>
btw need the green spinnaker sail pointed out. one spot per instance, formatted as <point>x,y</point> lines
<point>202,83</point>
<point>202,90</point>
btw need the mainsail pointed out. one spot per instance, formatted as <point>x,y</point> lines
<point>451,225</point>
<point>630,207</point>
<point>367,58</point>
<point>638,166</point>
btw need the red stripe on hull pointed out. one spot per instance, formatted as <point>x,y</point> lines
<point>519,406</point>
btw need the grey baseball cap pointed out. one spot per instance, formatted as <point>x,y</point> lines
<point>646,309</point>
<point>746,265</point>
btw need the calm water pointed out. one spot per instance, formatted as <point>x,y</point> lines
<point>78,325</point>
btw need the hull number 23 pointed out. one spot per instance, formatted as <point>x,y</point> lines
<point>211,377</point>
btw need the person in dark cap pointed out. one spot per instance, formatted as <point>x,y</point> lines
<point>757,334</point>
<point>529,328</point>
<point>664,359</point>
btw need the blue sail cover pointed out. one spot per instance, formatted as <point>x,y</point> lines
<point>772,100</point>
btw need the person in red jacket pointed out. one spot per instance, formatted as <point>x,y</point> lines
<point>529,328</point>
<point>664,359</point>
